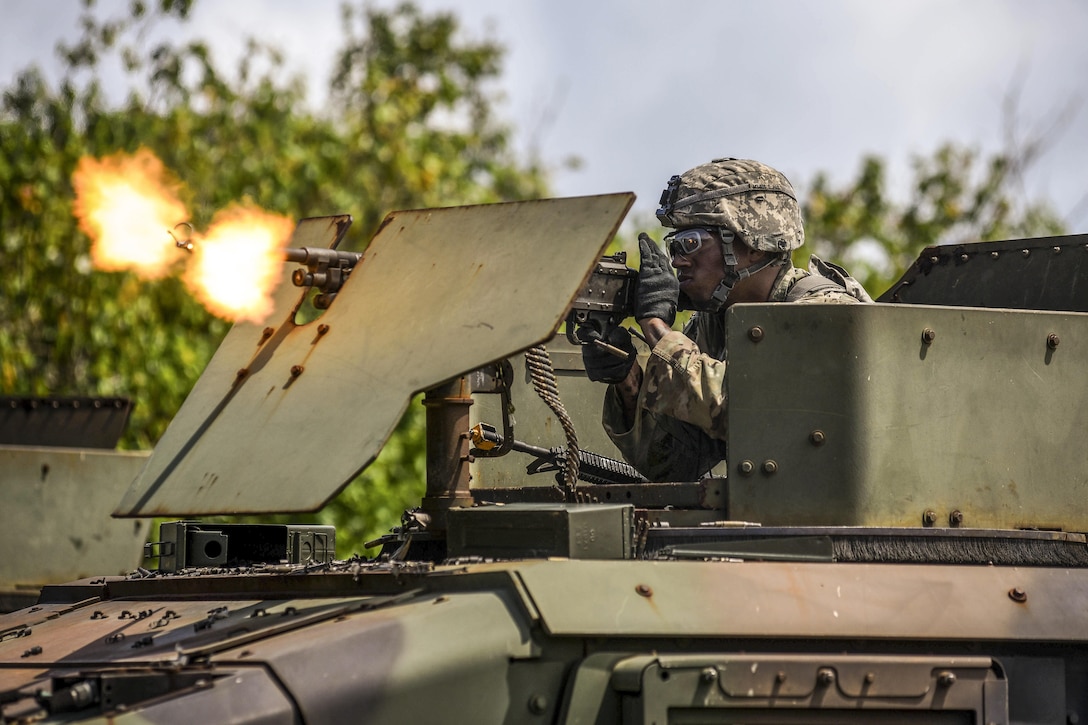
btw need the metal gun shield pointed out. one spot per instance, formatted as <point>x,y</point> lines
<point>287,414</point>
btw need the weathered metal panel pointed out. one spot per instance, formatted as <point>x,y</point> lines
<point>68,422</point>
<point>444,658</point>
<point>55,524</point>
<point>893,411</point>
<point>1047,273</point>
<point>534,530</point>
<point>775,600</point>
<point>816,688</point>
<point>427,302</point>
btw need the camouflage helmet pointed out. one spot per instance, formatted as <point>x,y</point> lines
<point>754,201</point>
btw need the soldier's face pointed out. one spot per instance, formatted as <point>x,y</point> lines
<point>700,271</point>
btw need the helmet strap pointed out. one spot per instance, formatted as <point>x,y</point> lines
<point>732,274</point>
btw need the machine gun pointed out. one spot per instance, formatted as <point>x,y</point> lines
<point>325,269</point>
<point>592,468</point>
<point>603,303</point>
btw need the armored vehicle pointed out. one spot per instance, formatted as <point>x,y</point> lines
<point>898,535</point>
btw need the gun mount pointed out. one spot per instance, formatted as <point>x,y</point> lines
<point>899,534</point>
<point>603,303</point>
<point>325,269</point>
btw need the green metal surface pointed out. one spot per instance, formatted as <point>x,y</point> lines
<point>575,531</point>
<point>845,415</point>
<point>429,300</point>
<point>1046,273</point>
<point>778,600</point>
<point>56,523</point>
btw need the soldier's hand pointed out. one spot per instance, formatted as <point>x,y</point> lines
<point>604,365</point>
<point>658,288</point>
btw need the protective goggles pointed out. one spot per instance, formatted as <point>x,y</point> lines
<point>687,242</point>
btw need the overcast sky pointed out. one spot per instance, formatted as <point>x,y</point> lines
<point>641,90</point>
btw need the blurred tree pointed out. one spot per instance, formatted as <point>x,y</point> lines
<point>408,124</point>
<point>957,195</point>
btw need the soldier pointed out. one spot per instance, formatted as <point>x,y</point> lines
<point>735,225</point>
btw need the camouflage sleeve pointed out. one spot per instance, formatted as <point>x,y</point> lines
<point>679,430</point>
<point>684,383</point>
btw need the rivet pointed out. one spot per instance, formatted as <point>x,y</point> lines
<point>1052,340</point>
<point>817,437</point>
<point>644,590</point>
<point>242,372</point>
<point>946,679</point>
<point>770,466</point>
<point>755,334</point>
<point>929,517</point>
<point>994,255</point>
<point>955,518</point>
<point>870,678</point>
<point>825,676</point>
<point>266,333</point>
<point>934,259</point>
<point>538,704</point>
<point>1018,595</point>
<point>746,468</point>
<point>1057,250</point>
<point>964,257</point>
<point>780,676</point>
<point>296,370</point>
<point>322,329</point>
<point>709,674</point>
<point>928,335</point>
<point>1025,253</point>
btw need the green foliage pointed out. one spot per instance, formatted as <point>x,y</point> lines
<point>957,195</point>
<point>408,124</point>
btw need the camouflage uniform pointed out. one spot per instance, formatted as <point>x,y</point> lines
<point>680,423</point>
<point>679,431</point>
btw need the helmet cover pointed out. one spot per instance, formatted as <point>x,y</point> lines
<point>749,198</point>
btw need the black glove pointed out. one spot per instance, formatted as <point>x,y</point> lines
<point>658,288</point>
<point>603,365</point>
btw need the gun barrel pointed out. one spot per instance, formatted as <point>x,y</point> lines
<point>321,257</point>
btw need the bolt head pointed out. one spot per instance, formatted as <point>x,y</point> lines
<point>538,704</point>
<point>755,334</point>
